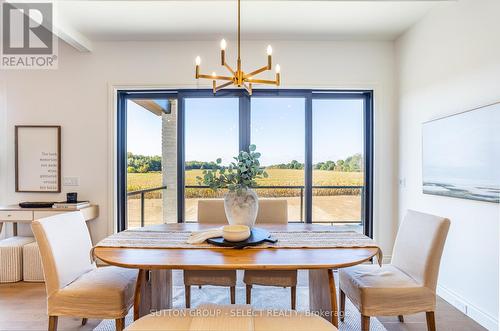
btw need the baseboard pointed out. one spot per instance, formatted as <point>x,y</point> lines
<point>481,317</point>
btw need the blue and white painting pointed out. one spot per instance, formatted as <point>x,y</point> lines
<point>461,155</point>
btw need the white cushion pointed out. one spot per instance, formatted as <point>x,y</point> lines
<point>385,291</point>
<point>106,292</point>
<point>11,258</point>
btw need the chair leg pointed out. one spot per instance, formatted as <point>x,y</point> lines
<point>53,323</point>
<point>365,323</point>
<point>84,321</point>
<point>233,294</point>
<point>120,324</point>
<point>249,294</point>
<point>342,306</point>
<point>401,319</point>
<point>187,292</point>
<point>293,294</point>
<point>431,322</point>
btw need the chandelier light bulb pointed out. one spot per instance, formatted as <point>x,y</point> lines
<point>269,50</point>
<point>214,74</point>
<point>198,60</point>
<point>223,44</point>
<point>278,69</point>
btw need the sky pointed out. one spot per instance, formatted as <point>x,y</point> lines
<point>463,149</point>
<point>277,129</point>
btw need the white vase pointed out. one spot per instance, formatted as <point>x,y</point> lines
<point>241,208</point>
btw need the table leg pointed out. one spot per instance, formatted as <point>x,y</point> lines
<point>323,295</point>
<point>14,229</point>
<point>153,292</point>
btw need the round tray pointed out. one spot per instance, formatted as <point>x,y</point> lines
<point>257,237</point>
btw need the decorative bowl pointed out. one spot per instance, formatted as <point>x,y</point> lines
<point>235,232</point>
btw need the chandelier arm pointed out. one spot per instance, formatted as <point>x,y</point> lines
<point>217,88</point>
<point>256,72</point>
<point>248,88</point>
<point>228,67</point>
<point>211,77</point>
<point>262,81</point>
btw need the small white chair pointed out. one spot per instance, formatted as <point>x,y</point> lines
<point>408,284</point>
<point>211,317</point>
<point>32,263</point>
<point>75,286</point>
<point>11,258</point>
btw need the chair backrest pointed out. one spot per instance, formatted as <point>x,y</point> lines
<point>65,246</point>
<point>211,211</point>
<point>273,211</point>
<point>419,246</point>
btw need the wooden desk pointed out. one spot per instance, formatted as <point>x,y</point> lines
<point>319,262</point>
<point>15,214</point>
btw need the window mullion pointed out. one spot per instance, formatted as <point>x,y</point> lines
<point>244,122</point>
<point>308,167</point>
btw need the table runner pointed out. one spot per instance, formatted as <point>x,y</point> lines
<point>150,238</point>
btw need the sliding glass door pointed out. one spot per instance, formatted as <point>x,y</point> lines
<point>316,146</point>
<point>338,161</point>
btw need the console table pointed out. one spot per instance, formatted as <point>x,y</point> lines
<point>15,214</point>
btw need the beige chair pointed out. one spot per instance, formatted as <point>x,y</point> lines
<point>75,287</point>
<point>408,284</point>
<point>212,317</point>
<point>210,211</point>
<point>272,211</point>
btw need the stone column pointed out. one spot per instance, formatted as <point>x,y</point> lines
<point>169,163</point>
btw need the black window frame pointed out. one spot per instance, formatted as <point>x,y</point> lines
<point>244,139</point>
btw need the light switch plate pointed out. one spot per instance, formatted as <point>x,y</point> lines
<point>71,181</point>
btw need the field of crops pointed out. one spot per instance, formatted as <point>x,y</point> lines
<point>329,205</point>
<point>277,177</point>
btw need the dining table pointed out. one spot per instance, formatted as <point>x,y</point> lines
<point>156,250</point>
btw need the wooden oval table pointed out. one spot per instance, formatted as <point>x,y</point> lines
<point>319,262</point>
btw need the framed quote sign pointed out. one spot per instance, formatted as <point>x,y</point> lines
<point>38,158</point>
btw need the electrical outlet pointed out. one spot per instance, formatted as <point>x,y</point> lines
<point>71,181</point>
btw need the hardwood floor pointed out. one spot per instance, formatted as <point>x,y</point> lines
<point>23,307</point>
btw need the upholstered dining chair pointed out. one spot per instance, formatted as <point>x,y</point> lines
<point>210,211</point>
<point>272,211</point>
<point>212,317</point>
<point>75,286</point>
<point>408,284</point>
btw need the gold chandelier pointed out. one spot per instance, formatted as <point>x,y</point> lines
<point>238,77</point>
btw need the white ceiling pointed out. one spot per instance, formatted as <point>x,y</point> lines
<point>79,22</point>
<point>272,19</point>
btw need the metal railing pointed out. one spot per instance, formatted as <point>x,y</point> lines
<point>297,187</point>
<point>143,193</point>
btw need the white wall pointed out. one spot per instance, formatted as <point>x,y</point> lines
<point>76,97</point>
<point>448,63</point>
